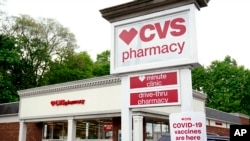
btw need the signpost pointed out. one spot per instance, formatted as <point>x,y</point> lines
<point>155,36</point>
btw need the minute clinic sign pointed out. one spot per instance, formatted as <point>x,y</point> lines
<point>154,89</point>
<point>153,80</point>
<point>163,39</point>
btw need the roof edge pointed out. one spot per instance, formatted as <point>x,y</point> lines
<point>199,95</point>
<point>91,82</point>
<point>141,7</point>
<point>240,115</point>
<point>85,83</point>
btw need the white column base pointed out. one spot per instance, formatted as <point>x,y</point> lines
<point>137,128</point>
<point>71,130</point>
<point>22,131</point>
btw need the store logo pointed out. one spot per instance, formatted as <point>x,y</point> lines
<point>148,32</point>
<point>66,102</point>
<point>142,78</point>
<point>155,34</point>
<point>128,36</point>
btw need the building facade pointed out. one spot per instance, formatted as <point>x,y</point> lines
<point>90,109</point>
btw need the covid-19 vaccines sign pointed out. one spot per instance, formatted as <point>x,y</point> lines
<point>188,126</point>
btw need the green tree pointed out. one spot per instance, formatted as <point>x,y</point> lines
<point>226,85</point>
<point>75,67</point>
<point>9,59</point>
<point>41,41</point>
<point>199,78</point>
<point>102,64</point>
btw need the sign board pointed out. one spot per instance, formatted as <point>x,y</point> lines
<point>187,126</point>
<point>107,126</point>
<point>163,39</point>
<point>153,80</point>
<point>159,98</point>
<point>154,89</point>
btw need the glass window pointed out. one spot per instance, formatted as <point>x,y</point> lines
<point>149,130</point>
<point>85,129</point>
<point>94,129</point>
<point>55,130</point>
<point>155,129</point>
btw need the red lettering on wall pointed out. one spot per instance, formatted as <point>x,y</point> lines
<point>218,123</point>
<point>66,102</point>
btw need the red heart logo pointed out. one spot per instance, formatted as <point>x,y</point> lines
<point>128,36</point>
<point>53,103</point>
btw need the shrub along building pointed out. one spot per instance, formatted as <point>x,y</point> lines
<point>91,109</point>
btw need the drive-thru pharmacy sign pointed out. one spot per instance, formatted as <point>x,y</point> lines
<point>188,126</point>
<point>154,89</point>
<point>156,40</point>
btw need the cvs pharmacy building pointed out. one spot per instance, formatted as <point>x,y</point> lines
<point>153,51</point>
<point>154,45</point>
<point>89,110</point>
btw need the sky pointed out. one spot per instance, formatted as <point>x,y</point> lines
<point>223,27</point>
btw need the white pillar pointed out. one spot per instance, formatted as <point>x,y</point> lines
<point>137,128</point>
<point>186,90</point>
<point>22,131</point>
<point>87,130</point>
<point>126,112</point>
<point>71,130</point>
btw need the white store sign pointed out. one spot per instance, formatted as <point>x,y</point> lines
<point>162,39</point>
<point>188,126</point>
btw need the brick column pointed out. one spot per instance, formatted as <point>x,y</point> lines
<point>116,127</point>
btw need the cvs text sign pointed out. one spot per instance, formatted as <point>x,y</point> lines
<point>156,40</point>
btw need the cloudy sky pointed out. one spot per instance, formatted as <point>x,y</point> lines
<point>223,27</point>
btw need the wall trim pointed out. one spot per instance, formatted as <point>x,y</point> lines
<point>86,83</point>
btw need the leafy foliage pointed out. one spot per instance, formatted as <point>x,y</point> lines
<point>40,41</point>
<point>27,53</point>
<point>75,67</point>
<point>102,64</point>
<point>9,58</point>
<point>226,85</point>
